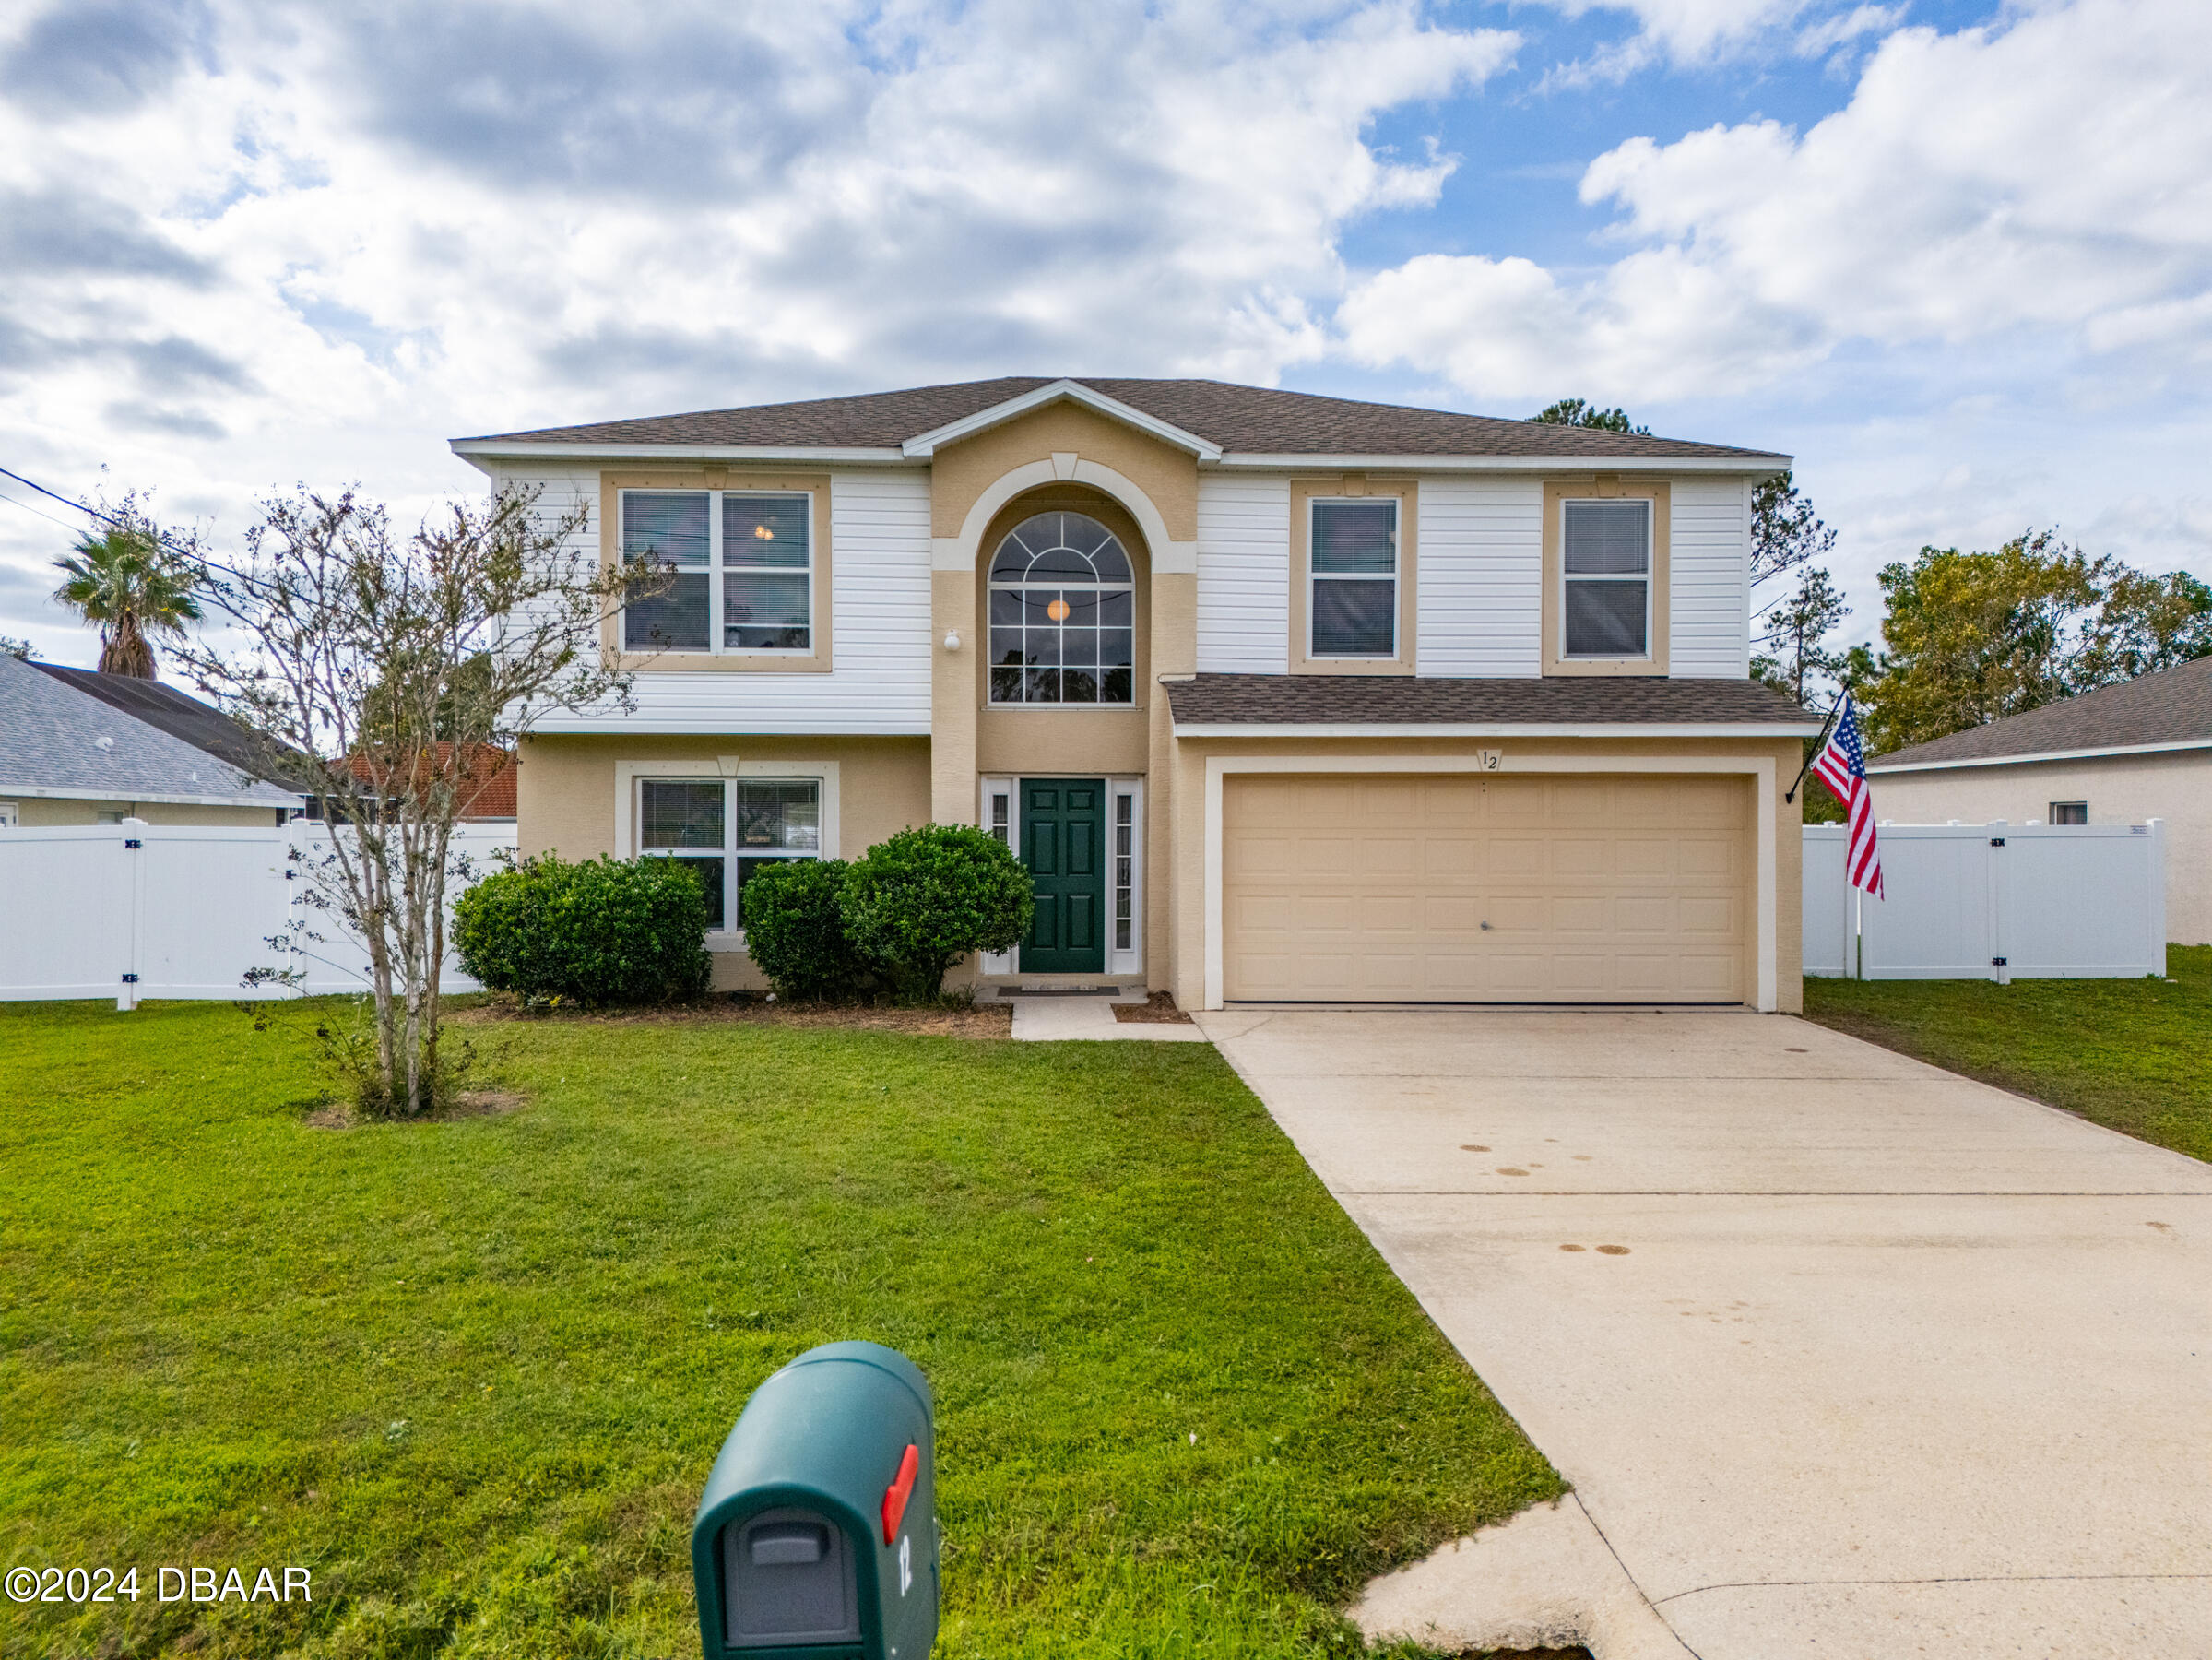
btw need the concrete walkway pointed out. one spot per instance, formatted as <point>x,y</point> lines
<point>1092,1020</point>
<point>1847,1358</point>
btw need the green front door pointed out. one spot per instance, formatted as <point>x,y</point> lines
<point>1063,845</point>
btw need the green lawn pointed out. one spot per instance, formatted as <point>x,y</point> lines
<point>473,1374</point>
<point>2135,1055</point>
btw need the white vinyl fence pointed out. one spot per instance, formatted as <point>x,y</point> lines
<point>135,910</point>
<point>1996,902</point>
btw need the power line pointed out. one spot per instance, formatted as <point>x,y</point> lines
<point>26,508</point>
<point>64,500</point>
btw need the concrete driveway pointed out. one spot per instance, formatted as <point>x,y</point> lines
<point>1846,1357</point>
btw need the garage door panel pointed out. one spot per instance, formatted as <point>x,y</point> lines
<point>1388,855</point>
<point>1628,888</point>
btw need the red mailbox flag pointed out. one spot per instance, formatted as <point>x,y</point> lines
<point>899,1491</point>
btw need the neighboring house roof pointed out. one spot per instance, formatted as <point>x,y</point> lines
<point>1259,421</point>
<point>1219,700</point>
<point>178,714</point>
<point>58,739</point>
<point>2170,709</point>
<point>490,771</point>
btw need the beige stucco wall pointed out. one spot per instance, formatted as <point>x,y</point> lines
<point>568,794</point>
<point>2119,789</point>
<point>1188,831</point>
<point>960,472</point>
<point>38,810</point>
<point>971,739</point>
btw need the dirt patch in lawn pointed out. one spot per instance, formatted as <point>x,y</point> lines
<point>1157,1009</point>
<point>982,1020</point>
<point>470,1104</point>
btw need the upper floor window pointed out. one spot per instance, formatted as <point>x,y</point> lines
<point>1354,573</point>
<point>1605,605</point>
<point>744,571</point>
<point>1062,614</point>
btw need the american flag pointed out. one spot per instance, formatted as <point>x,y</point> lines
<point>1841,765</point>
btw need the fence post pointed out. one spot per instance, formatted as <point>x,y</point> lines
<point>1999,892</point>
<point>132,837</point>
<point>2156,921</point>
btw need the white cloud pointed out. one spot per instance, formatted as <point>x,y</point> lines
<point>2053,177</point>
<point>1829,33</point>
<point>248,242</point>
<point>1689,33</point>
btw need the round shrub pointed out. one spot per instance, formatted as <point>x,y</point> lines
<point>795,930</point>
<point>605,930</point>
<point>927,897</point>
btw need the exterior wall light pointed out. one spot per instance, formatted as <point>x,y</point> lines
<point>952,639</point>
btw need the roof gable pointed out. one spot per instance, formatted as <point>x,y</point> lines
<point>925,444</point>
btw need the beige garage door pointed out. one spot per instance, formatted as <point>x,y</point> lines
<point>1540,888</point>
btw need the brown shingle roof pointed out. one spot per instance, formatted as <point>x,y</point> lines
<point>2172,706</point>
<point>1400,700</point>
<point>1247,420</point>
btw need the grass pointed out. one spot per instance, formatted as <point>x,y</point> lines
<point>474,1373</point>
<point>2128,1054</point>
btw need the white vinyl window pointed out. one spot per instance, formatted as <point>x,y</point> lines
<point>2069,812</point>
<point>743,565</point>
<point>1605,609</point>
<point>726,830</point>
<point>1352,605</point>
<point>1062,598</point>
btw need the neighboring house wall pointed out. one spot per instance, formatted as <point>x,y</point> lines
<point>2123,789</point>
<point>879,680</point>
<point>34,810</point>
<point>572,803</point>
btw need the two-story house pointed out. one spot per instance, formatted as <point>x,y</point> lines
<point>1279,698</point>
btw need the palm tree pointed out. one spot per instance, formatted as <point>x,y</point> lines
<point>129,585</point>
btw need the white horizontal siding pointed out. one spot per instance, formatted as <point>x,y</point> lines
<point>880,624</point>
<point>1479,564</point>
<point>1709,602</point>
<point>1243,575</point>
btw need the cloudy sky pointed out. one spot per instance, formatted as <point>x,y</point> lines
<point>1955,255</point>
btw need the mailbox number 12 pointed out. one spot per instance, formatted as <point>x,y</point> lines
<point>906,1563</point>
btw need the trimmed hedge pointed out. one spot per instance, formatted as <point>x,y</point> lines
<point>928,896</point>
<point>602,932</point>
<point>795,930</point>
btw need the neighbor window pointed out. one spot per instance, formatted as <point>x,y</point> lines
<point>1353,577</point>
<point>1062,614</point>
<point>726,830</point>
<point>1607,605</point>
<point>743,570</point>
<point>2069,812</point>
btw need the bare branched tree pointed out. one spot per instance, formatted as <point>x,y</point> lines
<point>384,674</point>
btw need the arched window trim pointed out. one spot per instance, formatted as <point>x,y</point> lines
<point>1065,637</point>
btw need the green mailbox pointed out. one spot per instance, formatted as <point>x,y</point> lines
<point>816,1538</point>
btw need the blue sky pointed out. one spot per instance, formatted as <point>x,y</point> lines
<point>1956,258</point>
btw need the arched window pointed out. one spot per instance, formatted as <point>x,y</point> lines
<point>1062,605</point>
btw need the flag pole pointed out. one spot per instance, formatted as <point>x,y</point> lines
<point>1834,709</point>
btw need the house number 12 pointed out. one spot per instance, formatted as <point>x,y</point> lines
<point>1489,760</point>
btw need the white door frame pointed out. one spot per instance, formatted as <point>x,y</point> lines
<point>1759,768</point>
<point>1117,962</point>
